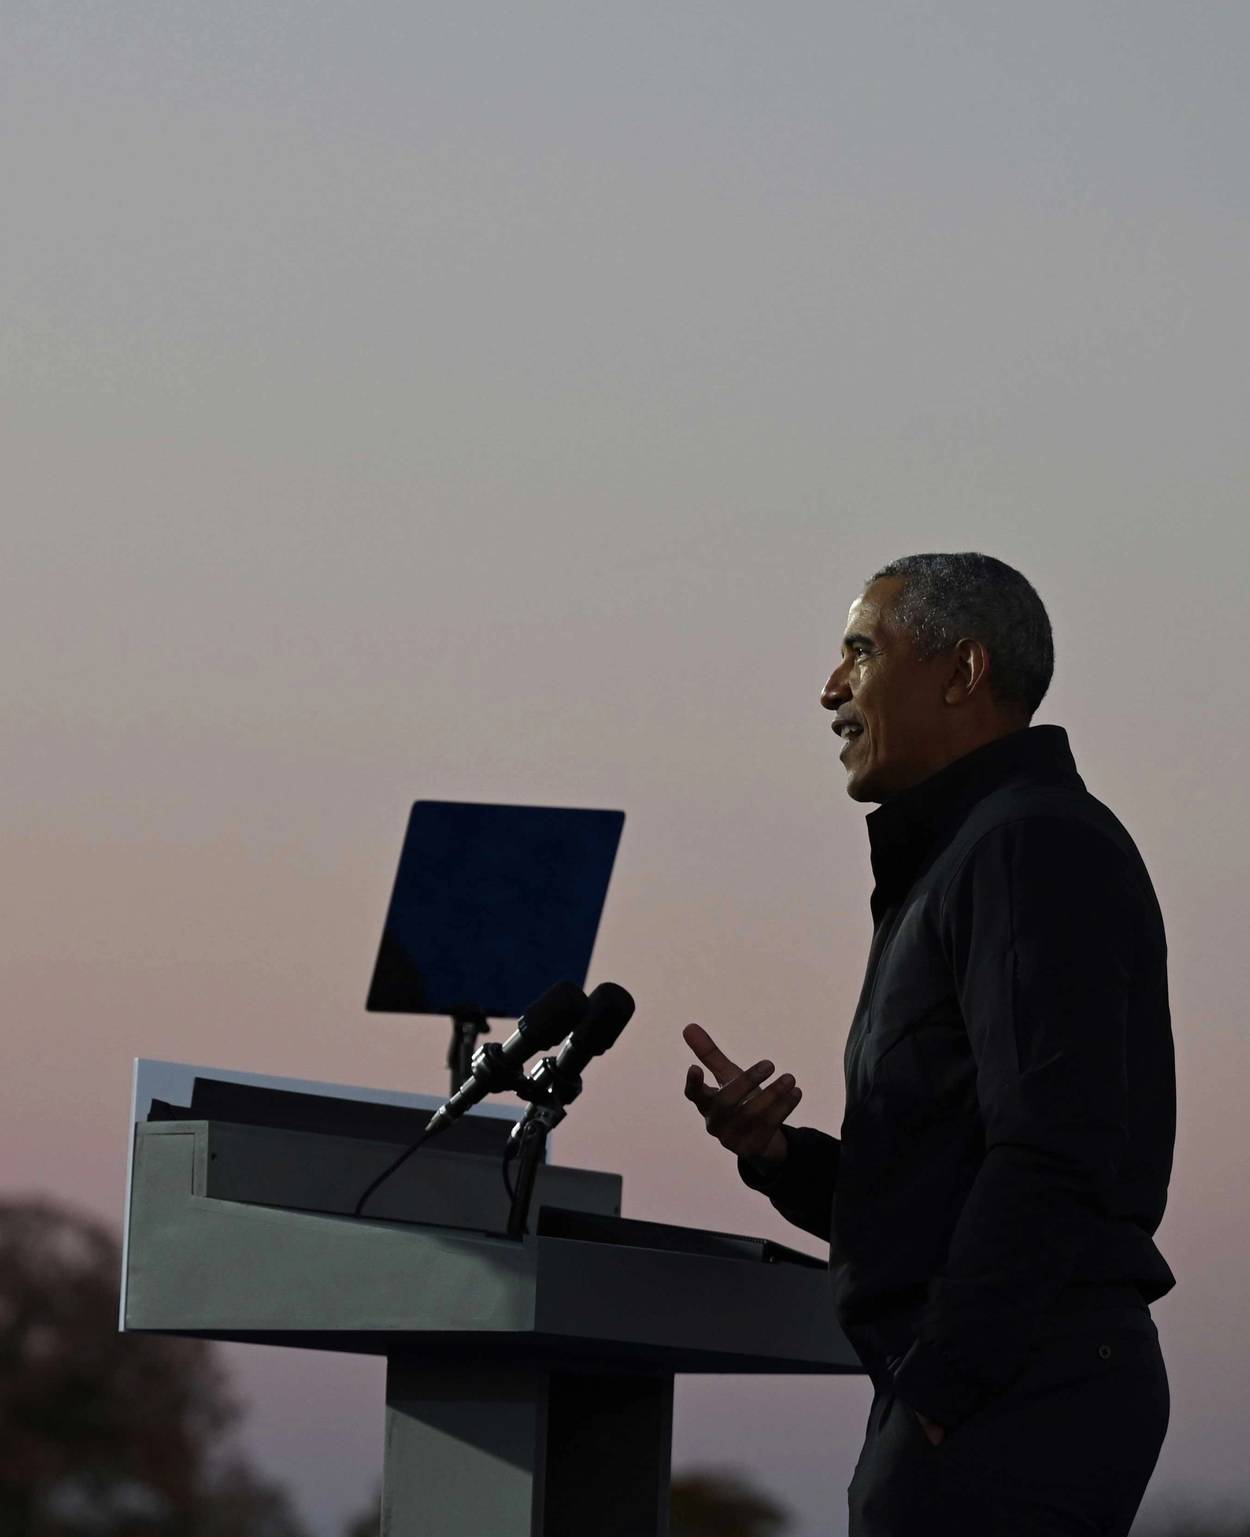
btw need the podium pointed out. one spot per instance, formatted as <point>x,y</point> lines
<point>529,1381</point>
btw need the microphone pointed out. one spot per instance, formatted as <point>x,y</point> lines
<point>496,1067</point>
<point>608,1010</point>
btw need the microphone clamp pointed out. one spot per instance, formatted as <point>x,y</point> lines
<point>549,1088</point>
<point>550,1080</point>
<point>492,1072</point>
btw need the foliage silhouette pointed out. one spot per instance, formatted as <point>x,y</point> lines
<point>369,1522</point>
<point>709,1502</point>
<point>705,1503</point>
<point>104,1434</point>
<point>111,1435</point>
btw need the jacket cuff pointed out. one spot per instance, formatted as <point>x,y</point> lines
<point>773,1181</point>
<point>926,1380</point>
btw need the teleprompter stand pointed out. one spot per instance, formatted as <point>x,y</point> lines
<point>529,1386</point>
<point>468,1024</point>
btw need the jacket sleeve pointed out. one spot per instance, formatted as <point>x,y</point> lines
<point>1038,927</point>
<point>802,1188</point>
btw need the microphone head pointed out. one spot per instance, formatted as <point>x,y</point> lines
<point>549,1019</point>
<point>608,1010</point>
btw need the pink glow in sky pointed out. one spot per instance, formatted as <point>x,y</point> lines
<point>506,404</point>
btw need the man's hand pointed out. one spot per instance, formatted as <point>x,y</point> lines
<point>935,1432</point>
<point>740,1114</point>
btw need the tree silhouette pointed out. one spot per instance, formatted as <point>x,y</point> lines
<point>705,1503</point>
<point>369,1522</point>
<point>104,1434</point>
<point>710,1502</point>
<point>110,1435</point>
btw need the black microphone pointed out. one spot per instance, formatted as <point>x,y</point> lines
<point>608,1010</point>
<point>497,1067</point>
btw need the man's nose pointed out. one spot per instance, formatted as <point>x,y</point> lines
<point>833,693</point>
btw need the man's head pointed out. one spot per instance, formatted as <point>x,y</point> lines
<point>942,654</point>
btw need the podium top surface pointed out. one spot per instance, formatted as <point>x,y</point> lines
<point>246,1232</point>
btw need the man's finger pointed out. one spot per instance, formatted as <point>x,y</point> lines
<point>702,1093</point>
<point>738,1096</point>
<point>763,1112</point>
<point>696,1089</point>
<point>754,1139</point>
<point>746,1082</point>
<point>742,1087</point>
<point>755,1114</point>
<point>710,1054</point>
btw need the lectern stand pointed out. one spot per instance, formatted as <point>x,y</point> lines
<point>529,1381</point>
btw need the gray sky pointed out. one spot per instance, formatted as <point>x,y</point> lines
<point>506,403</point>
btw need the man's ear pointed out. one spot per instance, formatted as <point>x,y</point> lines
<point>969,670</point>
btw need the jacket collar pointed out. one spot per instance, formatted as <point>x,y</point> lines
<point>905,829</point>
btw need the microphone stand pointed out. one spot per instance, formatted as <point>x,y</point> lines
<point>549,1090</point>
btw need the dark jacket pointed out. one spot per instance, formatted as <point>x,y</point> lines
<point>1010,1078</point>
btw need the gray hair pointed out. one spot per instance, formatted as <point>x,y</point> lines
<point>969,596</point>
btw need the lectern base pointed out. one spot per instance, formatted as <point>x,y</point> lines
<point>491,1451</point>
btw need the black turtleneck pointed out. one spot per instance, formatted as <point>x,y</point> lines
<point>1010,1080</point>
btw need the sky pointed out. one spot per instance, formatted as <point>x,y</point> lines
<point>506,403</point>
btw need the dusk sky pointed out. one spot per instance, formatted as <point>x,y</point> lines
<point>506,403</point>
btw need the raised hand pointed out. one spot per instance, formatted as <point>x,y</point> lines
<point>741,1114</point>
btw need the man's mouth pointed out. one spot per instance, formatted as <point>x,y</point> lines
<point>853,735</point>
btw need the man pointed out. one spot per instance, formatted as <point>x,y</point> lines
<point>1004,1156</point>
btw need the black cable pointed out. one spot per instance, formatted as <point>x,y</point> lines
<point>390,1169</point>
<point>508,1154</point>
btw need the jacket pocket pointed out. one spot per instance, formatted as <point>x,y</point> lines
<point>1081,1349</point>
